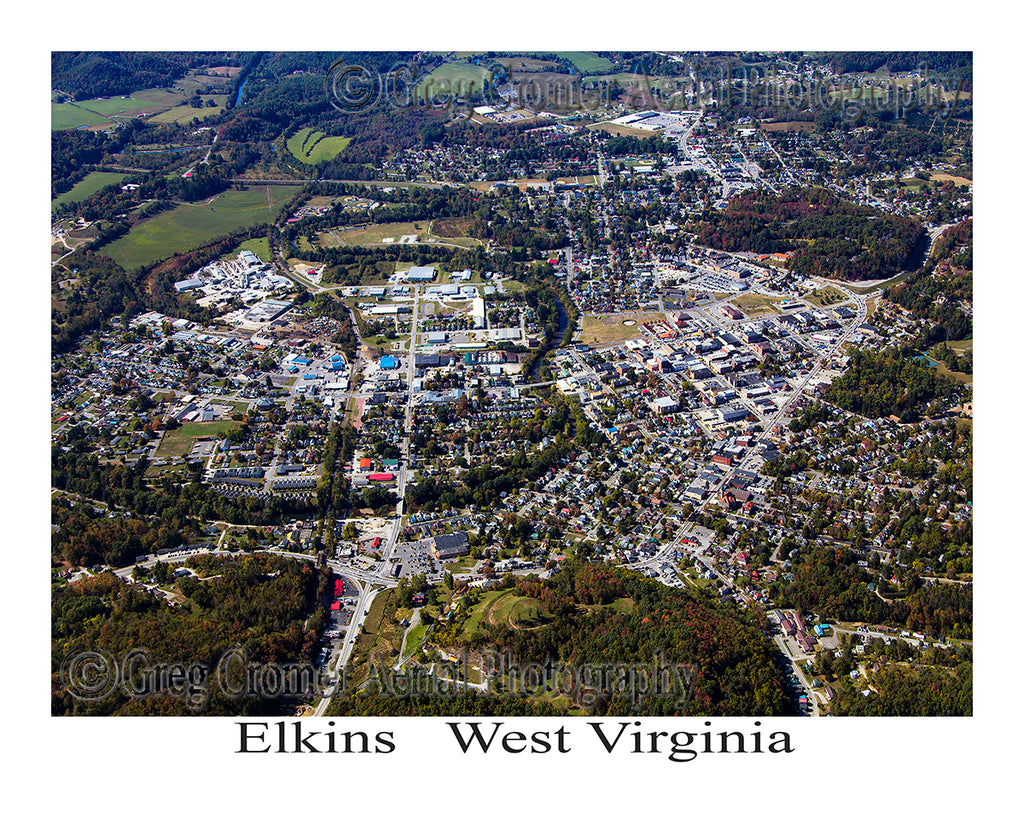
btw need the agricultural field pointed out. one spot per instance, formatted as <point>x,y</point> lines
<point>461,78</point>
<point>94,182</point>
<point>612,328</point>
<point>587,62</point>
<point>178,442</point>
<point>194,225</point>
<point>959,181</point>
<point>528,65</point>
<point>186,113</point>
<point>160,105</point>
<point>313,147</point>
<point>64,116</point>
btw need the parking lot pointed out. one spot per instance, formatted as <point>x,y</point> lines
<point>415,558</point>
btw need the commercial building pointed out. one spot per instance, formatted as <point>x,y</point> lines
<point>448,547</point>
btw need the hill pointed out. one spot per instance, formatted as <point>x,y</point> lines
<point>826,235</point>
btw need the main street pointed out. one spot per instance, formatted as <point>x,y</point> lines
<point>374,582</point>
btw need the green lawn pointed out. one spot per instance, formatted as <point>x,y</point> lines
<point>414,639</point>
<point>194,225</point>
<point>94,182</point>
<point>471,625</point>
<point>754,304</point>
<point>313,147</point>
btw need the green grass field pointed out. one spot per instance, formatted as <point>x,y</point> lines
<point>95,112</point>
<point>148,98</point>
<point>178,442</point>
<point>191,226</point>
<point>94,182</point>
<point>609,329</point>
<point>504,606</point>
<point>261,247</point>
<point>163,104</point>
<point>64,116</point>
<point>313,147</point>
<point>826,296</point>
<point>461,78</point>
<point>186,113</point>
<point>587,62</point>
<point>414,638</point>
<point>375,234</point>
<point>755,304</point>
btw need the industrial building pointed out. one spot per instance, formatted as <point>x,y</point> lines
<point>422,274</point>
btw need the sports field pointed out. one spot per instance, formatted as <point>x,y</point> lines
<point>194,225</point>
<point>178,442</point>
<point>95,181</point>
<point>313,147</point>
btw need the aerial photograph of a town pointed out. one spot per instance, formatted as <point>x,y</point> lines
<point>510,384</point>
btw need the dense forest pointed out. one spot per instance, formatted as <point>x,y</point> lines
<point>257,604</point>
<point>126,488</point>
<point>937,291</point>
<point>879,384</point>
<point>728,650</point>
<point>828,582</point>
<point>85,75</point>
<point>913,692</point>
<point>723,651</point>
<point>826,235</point>
<point>869,61</point>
